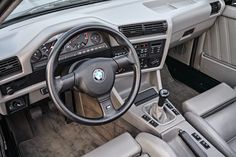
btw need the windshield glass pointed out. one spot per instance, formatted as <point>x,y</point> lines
<point>31,7</point>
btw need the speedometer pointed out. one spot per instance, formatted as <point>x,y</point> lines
<point>77,42</point>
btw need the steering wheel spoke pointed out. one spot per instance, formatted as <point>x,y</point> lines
<point>123,61</point>
<point>65,82</point>
<point>107,106</point>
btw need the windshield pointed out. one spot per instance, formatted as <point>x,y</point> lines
<point>29,8</point>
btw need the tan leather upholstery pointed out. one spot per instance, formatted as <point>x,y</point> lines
<point>121,146</point>
<point>145,145</point>
<point>213,114</point>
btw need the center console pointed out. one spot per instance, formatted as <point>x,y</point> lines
<point>182,137</point>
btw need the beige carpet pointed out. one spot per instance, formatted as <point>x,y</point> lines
<point>179,92</point>
<point>55,138</point>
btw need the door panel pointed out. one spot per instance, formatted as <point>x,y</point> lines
<point>219,50</point>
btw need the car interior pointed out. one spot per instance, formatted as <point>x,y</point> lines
<point>117,78</point>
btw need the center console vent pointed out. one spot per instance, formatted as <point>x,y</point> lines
<point>10,66</point>
<point>134,30</point>
<point>215,7</point>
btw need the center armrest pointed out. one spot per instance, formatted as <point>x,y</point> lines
<point>210,100</point>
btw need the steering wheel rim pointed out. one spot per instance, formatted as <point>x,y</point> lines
<point>54,87</point>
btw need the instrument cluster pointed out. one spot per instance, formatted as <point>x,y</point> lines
<point>82,44</point>
<point>82,41</point>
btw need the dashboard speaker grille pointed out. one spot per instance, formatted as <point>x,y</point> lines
<point>134,30</point>
<point>10,66</point>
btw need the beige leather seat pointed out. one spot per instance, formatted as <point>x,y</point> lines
<point>144,145</point>
<point>213,113</point>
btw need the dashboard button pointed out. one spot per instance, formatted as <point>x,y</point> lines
<point>44,91</point>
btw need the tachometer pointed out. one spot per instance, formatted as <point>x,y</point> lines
<point>96,38</point>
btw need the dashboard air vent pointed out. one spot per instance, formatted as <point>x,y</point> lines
<point>215,7</point>
<point>10,66</point>
<point>134,30</point>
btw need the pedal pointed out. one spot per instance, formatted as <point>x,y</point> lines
<point>36,113</point>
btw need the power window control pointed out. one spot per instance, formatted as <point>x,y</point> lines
<point>175,112</point>
<point>146,118</point>
<point>153,123</point>
<point>196,136</point>
<point>204,144</point>
<point>169,106</point>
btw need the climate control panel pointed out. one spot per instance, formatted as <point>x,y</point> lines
<point>149,53</point>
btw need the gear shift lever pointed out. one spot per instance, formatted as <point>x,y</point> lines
<point>163,95</point>
<point>157,110</point>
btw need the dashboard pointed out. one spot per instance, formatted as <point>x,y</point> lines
<point>152,26</point>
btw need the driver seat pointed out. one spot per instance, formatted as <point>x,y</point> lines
<point>144,145</point>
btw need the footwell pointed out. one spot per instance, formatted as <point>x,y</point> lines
<point>54,138</point>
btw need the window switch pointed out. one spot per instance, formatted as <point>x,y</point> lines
<point>204,144</point>
<point>175,112</point>
<point>146,118</point>
<point>196,136</point>
<point>169,106</point>
<point>153,123</point>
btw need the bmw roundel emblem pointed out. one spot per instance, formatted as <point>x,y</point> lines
<point>99,75</point>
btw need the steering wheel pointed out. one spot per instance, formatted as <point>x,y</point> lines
<point>94,77</point>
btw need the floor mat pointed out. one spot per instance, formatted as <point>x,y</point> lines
<point>55,138</point>
<point>179,92</point>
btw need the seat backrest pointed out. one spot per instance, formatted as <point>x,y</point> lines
<point>210,100</point>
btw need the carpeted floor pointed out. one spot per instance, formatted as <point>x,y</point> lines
<point>179,92</point>
<point>55,138</point>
